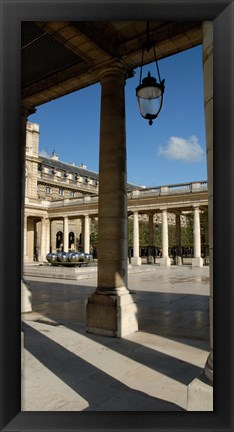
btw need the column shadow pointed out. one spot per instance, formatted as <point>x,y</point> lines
<point>101,391</point>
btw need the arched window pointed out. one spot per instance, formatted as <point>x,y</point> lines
<point>59,240</point>
<point>71,240</point>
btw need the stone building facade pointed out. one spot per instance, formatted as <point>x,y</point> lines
<point>49,180</point>
<point>61,200</point>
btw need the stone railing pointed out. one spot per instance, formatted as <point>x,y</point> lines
<point>74,201</point>
<point>182,188</point>
<point>169,190</point>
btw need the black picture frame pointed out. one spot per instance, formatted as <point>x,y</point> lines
<point>222,15</point>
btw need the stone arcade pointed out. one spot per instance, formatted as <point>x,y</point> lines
<point>92,57</point>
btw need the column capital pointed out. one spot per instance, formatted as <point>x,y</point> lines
<point>112,68</point>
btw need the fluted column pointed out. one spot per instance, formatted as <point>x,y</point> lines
<point>86,234</point>
<point>65,234</point>
<point>111,309</point>
<point>136,260</point>
<point>165,260</point>
<point>197,261</point>
<point>178,239</point>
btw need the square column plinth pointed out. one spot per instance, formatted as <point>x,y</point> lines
<point>197,262</point>
<point>111,315</point>
<point>136,261</point>
<point>200,395</point>
<point>166,262</point>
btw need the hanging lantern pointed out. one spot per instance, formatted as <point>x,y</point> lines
<point>149,92</point>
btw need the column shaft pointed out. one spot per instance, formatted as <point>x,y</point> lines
<point>178,239</point>
<point>200,395</point>
<point>43,239</point>
<point>208,103</point>
<point>111,309</point>
<point>165,260</point>
<point>26,295</point>
<point>25,238</point>
<point>65,234</point>
<point>197,261</point>
<point>86,234</point>
<point>150,257</point>
<point>136,260</point>
<point>112,207</point>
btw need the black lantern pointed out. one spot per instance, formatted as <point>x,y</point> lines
<point>149,92</point>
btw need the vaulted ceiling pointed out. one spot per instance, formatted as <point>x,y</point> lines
<point>59,57</point>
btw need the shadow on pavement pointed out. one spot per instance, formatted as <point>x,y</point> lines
<point>100,390</point>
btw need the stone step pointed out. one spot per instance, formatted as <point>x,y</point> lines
<point>75,273</point>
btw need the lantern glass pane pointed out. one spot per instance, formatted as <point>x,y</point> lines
<point>149,92</point>
<point>149,106</point>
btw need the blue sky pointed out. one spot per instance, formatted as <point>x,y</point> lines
<point>171,151</point>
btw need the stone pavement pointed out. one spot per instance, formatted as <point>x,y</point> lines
<point>67,369</point>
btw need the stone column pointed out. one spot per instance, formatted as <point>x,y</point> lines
<point>25,239</point>
<point>26,301</point>
<point>135,260</point>
<point>178,239</point>
<point>200,391</point>
<point>165,260</point>
<point>44,240</point>
<point>111,309</point>
<point>86,234</point>
<point>150,257</point>
<point>47,241</point>
<point>197,260</point>
<point>206,236</point>
<point>208,96</point>
<point>30,238</point>
<point>65,234</point>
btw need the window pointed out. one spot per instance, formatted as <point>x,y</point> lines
<point>48,189</point>
<point>61,192</point>
<point>72,194</point>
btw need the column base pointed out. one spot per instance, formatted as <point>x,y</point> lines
<point>26,298</point>
<point>197,262</point>
<point>200,394</point>
<point>179,261</point>
<point>136,261</point>
<point>166,262</point>
<point>111,315</point>
<point>150,259</point>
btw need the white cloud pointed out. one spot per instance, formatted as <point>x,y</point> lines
<point>188,150</point>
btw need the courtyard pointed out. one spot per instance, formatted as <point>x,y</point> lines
<point>67,369</point>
